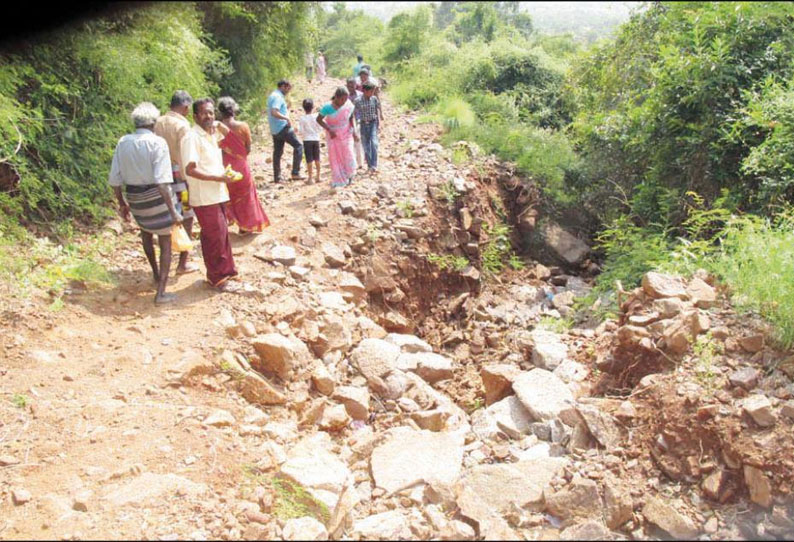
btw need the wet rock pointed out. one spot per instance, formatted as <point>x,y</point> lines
<point>548,351</point>
<point>659,285</point>
<point>409,344</point>
<point>746,378</point>
<point>280,355</point>
<point>507,415</point>
<point>390,525</point>
<point>334,256</point>
<point>579,500</point>
<point>305,528</point>
<point>407,457</point>
<point>760,410</point>
<point>589,530</point>
<point>355,400</point>
<point>703,295</point>
<point>758,485</point>
<point>497,379</point>
<point>669,519</point>
<point>543,394</point>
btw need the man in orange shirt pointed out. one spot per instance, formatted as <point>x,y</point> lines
<point>172,127</point>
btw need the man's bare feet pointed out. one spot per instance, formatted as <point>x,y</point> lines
<point>164,299</point>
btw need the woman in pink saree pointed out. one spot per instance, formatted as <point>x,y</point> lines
<point>244,208</point>
<point>337,119</point>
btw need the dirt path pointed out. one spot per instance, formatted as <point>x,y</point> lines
<point>105,425</point>
<point>120,419</point>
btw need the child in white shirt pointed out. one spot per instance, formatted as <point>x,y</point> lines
<point>310,131</point>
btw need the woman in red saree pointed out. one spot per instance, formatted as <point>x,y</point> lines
<point>244,208</point>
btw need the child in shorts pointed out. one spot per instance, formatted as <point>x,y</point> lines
<point>310,131</point>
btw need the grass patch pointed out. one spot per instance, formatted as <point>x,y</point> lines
<point>20,400</point>
<point>497,249</point>
<point>557,325</point>
<point>293,501</point>
<point>448,191</point>
<point>448,261</point>
<point>406,207</point>
<point>706,350</point>
<point>28,263</point>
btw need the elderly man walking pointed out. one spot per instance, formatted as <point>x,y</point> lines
<point>208,195</point>
<point>141,165</point>
<point>172,127</point>
<point>282,132</point>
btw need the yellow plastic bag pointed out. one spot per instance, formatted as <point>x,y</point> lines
<point>180,242</point>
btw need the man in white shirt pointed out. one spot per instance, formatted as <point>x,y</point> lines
<point>207,192</point>
<point>142,166</point>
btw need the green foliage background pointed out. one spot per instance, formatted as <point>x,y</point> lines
<point>65,97</point>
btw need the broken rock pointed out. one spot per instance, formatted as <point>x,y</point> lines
<point>669,519</point>
<point>543,394</point>
<point>407,457</point>
<point>280,355</point>
<point>497,379</point>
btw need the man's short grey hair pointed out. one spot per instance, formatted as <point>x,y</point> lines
<point>181,98</point>
<point>145,114</point>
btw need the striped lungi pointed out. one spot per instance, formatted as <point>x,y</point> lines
<point>150,209</point>
<point>180,186</point>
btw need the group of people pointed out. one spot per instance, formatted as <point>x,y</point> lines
<point>168,172</point>
<point>351,121</point>
<point>310,62</point>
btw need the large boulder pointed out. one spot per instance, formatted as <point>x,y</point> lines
<point>498,488</point>
<point>313,465</point>
<point>548,350</point>
<point>376,359</point>
<point>543,394</point>
<point>407,457</point>
<point>508,416</point>
<point>659,285</point>
<point>559,244</point>
<point>280,355</point>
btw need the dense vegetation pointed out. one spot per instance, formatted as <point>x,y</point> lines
<point>671,144</point>
<point>65,97</point>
